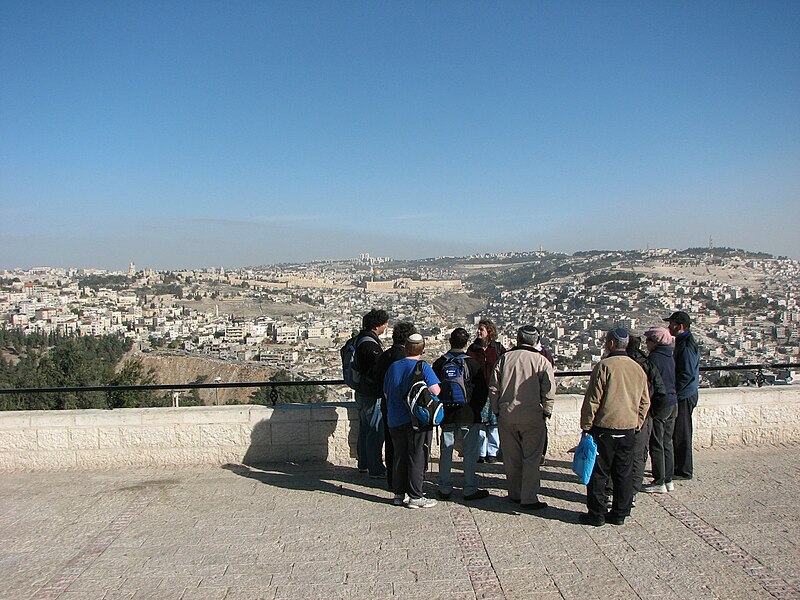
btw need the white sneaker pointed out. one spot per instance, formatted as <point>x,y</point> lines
<point>655,488</point>
<point>422,502</point>
<point>670,486</point>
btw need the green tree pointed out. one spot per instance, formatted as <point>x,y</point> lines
<point>296,394</point>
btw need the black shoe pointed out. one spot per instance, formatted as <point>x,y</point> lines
<point>588,519</point>
<point>515,501</point>
<point>490,459</point>
<point>477,495</point>
<point>442,495</point>
<point>481,459</point>
<point>615,520</point>
<point>681,476</point>
<point>534,506</point>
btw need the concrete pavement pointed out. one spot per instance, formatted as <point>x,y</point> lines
<point>294,531</point>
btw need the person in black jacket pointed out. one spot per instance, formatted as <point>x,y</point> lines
<point>687,380</point>
<point>464,418</point>
<point>368,394</point>
<point>396,351</point>
<point>659,345</point>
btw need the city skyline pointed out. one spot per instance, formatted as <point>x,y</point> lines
<point>250,134</point>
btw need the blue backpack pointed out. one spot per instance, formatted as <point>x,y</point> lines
<point>454,377</point>
<point>426,410</point>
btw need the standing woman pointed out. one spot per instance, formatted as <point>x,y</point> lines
<point>487,351</point>
<point>662,457</point>
<point>409,445</point>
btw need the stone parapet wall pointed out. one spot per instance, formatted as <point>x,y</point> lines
<point>91,439</point>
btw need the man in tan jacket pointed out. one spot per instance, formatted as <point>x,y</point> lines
<point>614,408</point>
<point>522,391</point>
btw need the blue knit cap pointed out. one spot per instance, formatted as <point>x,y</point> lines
<point>619,333</point>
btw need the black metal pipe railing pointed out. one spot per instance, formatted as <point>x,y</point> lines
<point>759,369</point>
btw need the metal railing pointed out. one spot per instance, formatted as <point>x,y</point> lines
<point>757,368</point>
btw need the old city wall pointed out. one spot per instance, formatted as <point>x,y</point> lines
<point>214,435</point>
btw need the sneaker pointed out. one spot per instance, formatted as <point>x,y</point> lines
<point>655,488</point>
<point>422,502</point>
<point>633,501</point>
<point>609,502</point>
<point>443,495</point>
<point>670,486</point>
<point>477,495</point>
<point>399,499</point>
<point>588,519</point>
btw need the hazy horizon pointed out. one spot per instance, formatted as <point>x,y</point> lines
<point>182,135</point>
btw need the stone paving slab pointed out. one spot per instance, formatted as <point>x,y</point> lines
<point>315,531</point>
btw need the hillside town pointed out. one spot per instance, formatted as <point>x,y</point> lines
<point>296,317</point>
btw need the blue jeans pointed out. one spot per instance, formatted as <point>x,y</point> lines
<point>471,440</point>
<point>370,435</point>
<point>490,440</point>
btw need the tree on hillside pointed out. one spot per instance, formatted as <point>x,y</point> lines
<point>296,394</point>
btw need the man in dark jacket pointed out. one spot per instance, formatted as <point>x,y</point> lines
<point>464,418</point>
<point>368,394</point>
<point>687,379</point>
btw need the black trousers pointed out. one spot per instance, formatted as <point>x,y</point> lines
<point>614,460</point>
<point>388,447</point>
<point>409,460</point>
<point>682,437</point>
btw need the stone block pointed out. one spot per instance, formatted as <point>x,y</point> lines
<point>723,437</point>
<point>753,436</point>
<point>18,439</point>
<point>110,437</point>
<point>186,435</point>
<point>53,418</point>
<point>50,460</point>
<point>780,414</point>
<point>51,438</point>
<point>216,414</point>
<point>108,418</point>
<point>790,435</point>
<point>742,415</point>
<point>162,416</point>
<point>16,419</point>
<point>290,433</point>
<point>291,413</point>
<point>84,438</point>
<point>566,424</point>
<point>567,403</point>
<point>224,434</point>
<point>138,437</point>
<point>702,438</point>
<point>257,414</point>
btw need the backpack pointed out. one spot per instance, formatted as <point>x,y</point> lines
<point>426,410</point>
<point>454,377</point>
<point>350,372</point>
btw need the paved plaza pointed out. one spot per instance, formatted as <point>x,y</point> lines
<point>294,531</point>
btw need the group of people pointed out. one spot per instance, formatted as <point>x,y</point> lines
<point>635,404</point>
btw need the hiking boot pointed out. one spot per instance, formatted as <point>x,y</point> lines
<point>421,502</point>
<point>670,486</point>
<point>655,488</point>
<point>477,495</point>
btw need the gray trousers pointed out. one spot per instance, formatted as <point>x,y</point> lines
<point>522,453</point>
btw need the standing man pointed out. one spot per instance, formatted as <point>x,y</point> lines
<point>462,413</point>
<point>368,394</point>
<point>487,351</point>
<point>396,351</point>
<point>614,409</point>
<point>522,392</point>
<point>687,378</point>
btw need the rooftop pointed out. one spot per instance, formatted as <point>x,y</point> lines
<point>328,532</point>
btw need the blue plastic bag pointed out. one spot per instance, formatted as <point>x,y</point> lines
<point>585,455</point>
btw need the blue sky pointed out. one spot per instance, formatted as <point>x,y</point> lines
<point>195,133</point>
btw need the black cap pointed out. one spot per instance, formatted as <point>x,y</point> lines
<point>680,317</point>
<point>619,333</point>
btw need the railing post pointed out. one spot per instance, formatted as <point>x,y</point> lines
<point>273,395</point>
<point>760,379</point>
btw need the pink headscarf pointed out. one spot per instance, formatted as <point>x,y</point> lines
<point>659,335</point>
